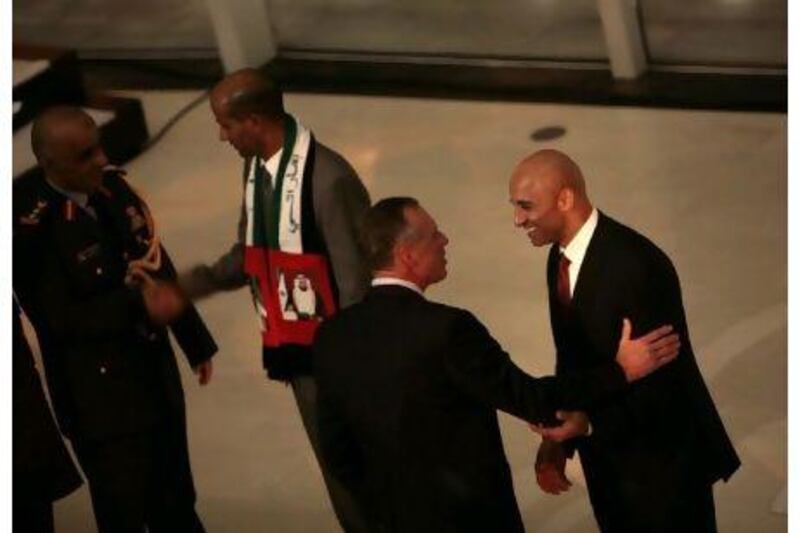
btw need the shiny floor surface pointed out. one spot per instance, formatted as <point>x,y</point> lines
<point>708,187</point>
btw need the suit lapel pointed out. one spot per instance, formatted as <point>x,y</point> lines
<point>552,279</point>
<point>552,267</point>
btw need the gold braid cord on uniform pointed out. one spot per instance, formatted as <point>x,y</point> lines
<point>140,269</point>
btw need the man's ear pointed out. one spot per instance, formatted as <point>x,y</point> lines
<point>47,162</point>
<point>252,120</point>
<point>566,199</point>
<point>403,256</point>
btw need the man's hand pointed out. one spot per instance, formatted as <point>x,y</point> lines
<point>164,302</point>
<point>575,424</point>
<point>550,464</point>
<point>640,357</point>
<point>204,371</point>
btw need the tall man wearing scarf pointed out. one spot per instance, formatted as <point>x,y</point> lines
<point>297,246</point>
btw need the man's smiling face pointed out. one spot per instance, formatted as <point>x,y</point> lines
<point>536,208</point>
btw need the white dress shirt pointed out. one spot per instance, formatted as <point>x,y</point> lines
<point>576,249</point>
<point>270,165</point>
<point>386,280</point>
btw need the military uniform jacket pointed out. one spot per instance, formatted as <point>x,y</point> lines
<point>110,371</point>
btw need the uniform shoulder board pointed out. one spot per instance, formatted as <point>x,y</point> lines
<point>113,181</point>
<point>113,170</point>
<point>34,216</point>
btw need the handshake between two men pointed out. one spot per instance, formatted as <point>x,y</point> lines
<point>164,302</point>
<point>638,358</point>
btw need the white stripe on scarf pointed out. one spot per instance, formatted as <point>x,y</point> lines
<point>290,230</point>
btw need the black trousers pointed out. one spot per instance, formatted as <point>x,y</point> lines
<point>638,502</point>
<point>32,515</point>
<point>693,512</point>
<point>141,480</point>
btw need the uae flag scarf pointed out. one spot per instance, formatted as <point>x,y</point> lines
<point>291,286</point>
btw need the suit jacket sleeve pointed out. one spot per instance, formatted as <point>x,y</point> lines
<point>339,447</point>
<point>189,330</point>
<point>340,204</point>
<point>226,273</point>
<point>652,301</point>
<point>480,367</point>
<point>42,464</point>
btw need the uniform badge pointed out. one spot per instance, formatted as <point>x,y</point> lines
<point>137,220</point>
<point>88,252</point>
<point>113,170</point>
<point>104,191</point>
<point>35,216</point>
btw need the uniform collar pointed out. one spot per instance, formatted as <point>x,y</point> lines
<point>80,198</point>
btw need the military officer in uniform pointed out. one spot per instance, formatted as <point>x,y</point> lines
<point>98,287</point>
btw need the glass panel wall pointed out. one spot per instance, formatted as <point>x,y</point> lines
<point>716,32</point>
<point>528,29</point>
<point>105,27</point>
<point>677,32</point>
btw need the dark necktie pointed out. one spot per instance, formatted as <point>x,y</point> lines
<point>564,296</point>
<point>266,178</point>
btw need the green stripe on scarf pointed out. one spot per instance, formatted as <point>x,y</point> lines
<point>259,228</point>
<point>289,138</point>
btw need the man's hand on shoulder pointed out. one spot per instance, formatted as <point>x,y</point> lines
<point>642,356</point>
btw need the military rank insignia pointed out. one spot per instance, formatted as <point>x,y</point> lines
<point>113,170</point>
<point>88,252</point>
<point>35,216</point>
<point>69,210</point>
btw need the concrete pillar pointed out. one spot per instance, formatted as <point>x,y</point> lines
<point>244,33</point>
<point>623,38</point>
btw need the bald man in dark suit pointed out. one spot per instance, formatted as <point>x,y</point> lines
<point>657,449</point>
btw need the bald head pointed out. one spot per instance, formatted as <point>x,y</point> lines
<point>549,197</point>
<point>248,92</point>
<point>552,170</point>
<point>66,143</point>
<point>55,126</point>
<point>248,108</point>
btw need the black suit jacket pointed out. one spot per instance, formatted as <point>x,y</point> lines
<point>43,469</point>
<point>664,435</point>
<point>408,393</point>
<point>109,370</point>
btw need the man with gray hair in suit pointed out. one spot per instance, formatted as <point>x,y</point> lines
<point>302,204</point>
